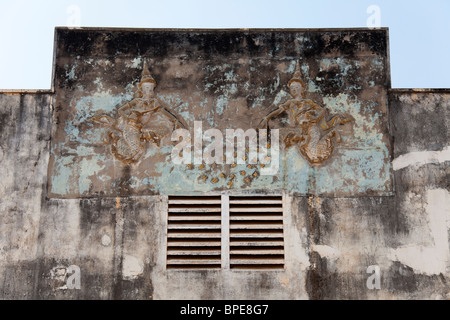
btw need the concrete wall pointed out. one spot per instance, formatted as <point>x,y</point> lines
<point>119,243</point>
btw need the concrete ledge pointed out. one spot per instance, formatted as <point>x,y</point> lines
<point>430,90</point>
<point>25,91</point>
<point>220,30</point>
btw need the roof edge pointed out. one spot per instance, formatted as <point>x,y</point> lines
<point>418,90</point>
<point>219,29</point>
<point>26,91</point>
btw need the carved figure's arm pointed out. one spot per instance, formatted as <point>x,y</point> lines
<point>274,113</point>
<point>127,106</point>
<point>169,115</point>
<point>311,105</point>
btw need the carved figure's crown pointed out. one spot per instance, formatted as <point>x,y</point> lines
<point>146,76</point>
<point>297,77</point>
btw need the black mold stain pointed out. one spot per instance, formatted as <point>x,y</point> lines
<point>320,283</point>
<point>124,181</point>
<point>423,131</point>
<point>402,278</point>
<point>19,281</point>
<point>91,214</point>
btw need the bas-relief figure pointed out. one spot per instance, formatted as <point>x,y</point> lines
<point>136,122</point>
<point>315,132</point>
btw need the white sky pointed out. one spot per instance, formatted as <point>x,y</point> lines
<point>419,30</point>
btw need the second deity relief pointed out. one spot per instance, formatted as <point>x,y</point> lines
<point>315,132</point>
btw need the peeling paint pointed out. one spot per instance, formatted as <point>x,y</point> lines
<point>421,158</point>
<point>106,240</point>
<point>430,260</point>
<point>132,267</point>
<point>326,251</point>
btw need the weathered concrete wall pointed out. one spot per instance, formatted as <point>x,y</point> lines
<point>120,243</point>
<point>419,125</point>
<point>25,122</point>
<point>40,238</point>
<point>405,235</point>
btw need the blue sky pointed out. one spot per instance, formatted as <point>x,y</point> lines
<point>419,30</point>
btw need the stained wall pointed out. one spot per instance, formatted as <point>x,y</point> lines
<point>119,241</point>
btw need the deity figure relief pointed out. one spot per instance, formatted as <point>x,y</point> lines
<point>138,122</point>
<point>315,133</point>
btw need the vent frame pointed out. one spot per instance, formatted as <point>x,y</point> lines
<point>194,232</point>
<point>256,232</point>
<point>226,232</point>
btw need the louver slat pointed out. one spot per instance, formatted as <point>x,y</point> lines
<point>256,232</point>
<point>194,232</point>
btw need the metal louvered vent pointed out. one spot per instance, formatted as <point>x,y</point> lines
<point>225,231</point>
<point>256,232</point>
<point>194,232</point>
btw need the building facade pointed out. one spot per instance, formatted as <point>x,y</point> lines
<point>224,164</point>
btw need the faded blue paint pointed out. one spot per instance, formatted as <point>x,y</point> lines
<point>230,76</point>
<point>88,106</point>
<point>296,171</point>
<point>366,166</point>
<point>258,102</point>
<point>61,175</point>
<point>275,86</point>
<point>280,97</point>
<point>71,74</point>
<point>87,168</point>
<point>363,161</point>
<point>221,104</point>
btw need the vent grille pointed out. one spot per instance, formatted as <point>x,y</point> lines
<point>194,232</point>
<point>256,232</point>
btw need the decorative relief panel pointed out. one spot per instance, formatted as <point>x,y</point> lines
<point>315,101</point>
